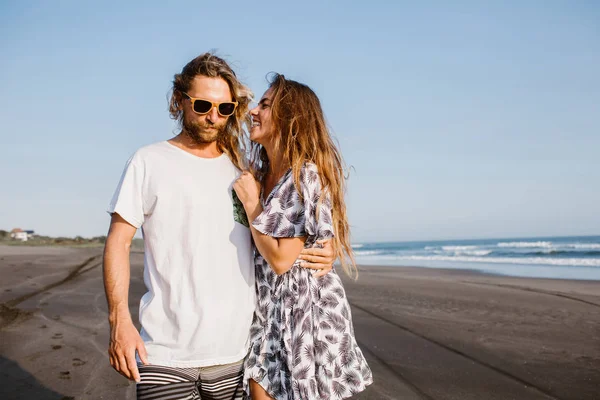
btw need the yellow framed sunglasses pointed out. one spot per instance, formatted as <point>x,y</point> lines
<point>203,106</point>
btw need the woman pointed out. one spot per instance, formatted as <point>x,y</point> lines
<point>302,339</point>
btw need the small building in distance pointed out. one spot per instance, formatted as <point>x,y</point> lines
<point>20,234</point>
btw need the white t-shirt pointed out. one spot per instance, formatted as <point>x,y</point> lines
<point>198,265</point>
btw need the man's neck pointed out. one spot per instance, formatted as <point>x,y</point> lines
<point>202,150</point>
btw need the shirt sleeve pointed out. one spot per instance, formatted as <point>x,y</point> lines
<point>127,200</point>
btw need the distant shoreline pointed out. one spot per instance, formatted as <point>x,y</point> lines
<point>565,257</point>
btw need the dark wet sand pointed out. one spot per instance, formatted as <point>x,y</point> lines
<point>427,333</point>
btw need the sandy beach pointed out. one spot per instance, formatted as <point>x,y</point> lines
<point>427,333</point>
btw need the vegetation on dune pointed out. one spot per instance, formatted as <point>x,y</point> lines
<point>39,240</point>
<point>78,241</point>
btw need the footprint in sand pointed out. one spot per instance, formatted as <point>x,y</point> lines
<point>56,347</point>
<point>77,362</point>
<point>43,326</point>
<point>57,336</point>
<point>8,290</point>
<point>35,356</point>
<point>56,317</point>
<point>44,303</point>
<point>65,375</point>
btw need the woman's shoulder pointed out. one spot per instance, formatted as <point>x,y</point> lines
<point>309,173</point>
<point>310,166</point>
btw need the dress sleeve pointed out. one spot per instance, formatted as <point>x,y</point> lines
<point>318,211</point>
<point>289,215</point>
<point>283,215</point>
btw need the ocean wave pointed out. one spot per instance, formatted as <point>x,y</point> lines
<point>546,252</point>
<point>553,252</point>
<point>465,252</point>
<point>458,248</point>
<point>370,252</point>
<point>584,246</point>
<point>357,246</point>
<point>567,262</point>
<point>474,253</point>
<point>525,244</point>
<point>482,256</point>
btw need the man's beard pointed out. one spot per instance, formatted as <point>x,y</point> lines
<point>201,134</point>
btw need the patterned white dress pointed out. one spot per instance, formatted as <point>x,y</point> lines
<point>302,338</point>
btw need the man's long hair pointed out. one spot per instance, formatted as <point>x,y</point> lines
<point>232,141</point>
<point>301,135</point>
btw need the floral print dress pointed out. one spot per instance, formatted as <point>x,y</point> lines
<point>302,343</point>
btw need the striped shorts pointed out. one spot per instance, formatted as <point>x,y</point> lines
<point>219,382</point>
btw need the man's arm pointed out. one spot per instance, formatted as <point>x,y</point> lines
<point>124,338</point>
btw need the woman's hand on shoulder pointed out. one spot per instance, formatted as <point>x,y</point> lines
<point>248,190</point>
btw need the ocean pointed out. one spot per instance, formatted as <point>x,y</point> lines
<point>547,257</point>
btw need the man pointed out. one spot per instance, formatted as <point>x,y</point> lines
<point>198,264</point>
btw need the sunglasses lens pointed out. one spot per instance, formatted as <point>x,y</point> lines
<point>202,106</point>
<point>226,108</point>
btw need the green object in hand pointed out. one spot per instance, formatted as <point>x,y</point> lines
<point>239,213</point>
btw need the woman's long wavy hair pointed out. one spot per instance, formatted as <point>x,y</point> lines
<point>232,142</point>
<point>302,136</point>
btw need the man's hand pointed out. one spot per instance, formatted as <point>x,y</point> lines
<point>124,341</point>
<point>319,259</point>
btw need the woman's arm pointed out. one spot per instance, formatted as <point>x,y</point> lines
<point>280,253</point>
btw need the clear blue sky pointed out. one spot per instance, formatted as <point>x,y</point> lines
<point>462,120</point>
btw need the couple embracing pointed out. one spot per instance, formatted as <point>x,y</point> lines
<point>242,300</point>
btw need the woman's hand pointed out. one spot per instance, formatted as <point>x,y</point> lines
<point>248,191</point>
